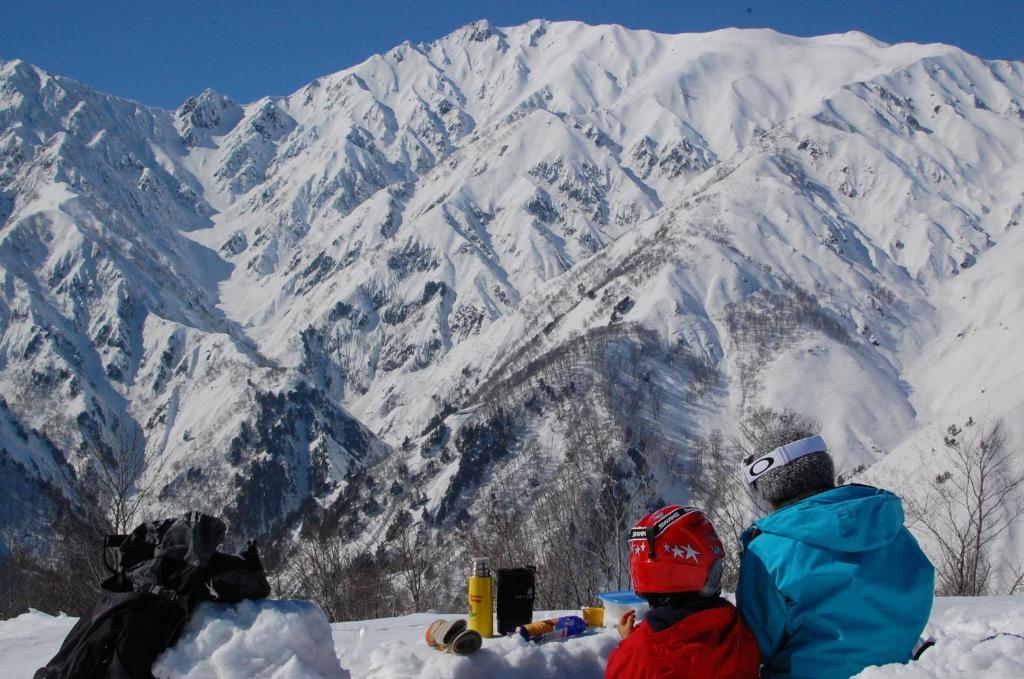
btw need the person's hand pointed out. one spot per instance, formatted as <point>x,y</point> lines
<point>626,624</point>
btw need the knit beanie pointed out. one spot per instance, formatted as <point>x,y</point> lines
<point>803,476</point>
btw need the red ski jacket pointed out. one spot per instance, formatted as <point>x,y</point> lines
<point>709,644</point>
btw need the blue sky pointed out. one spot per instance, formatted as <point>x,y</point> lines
<point>161,52</point>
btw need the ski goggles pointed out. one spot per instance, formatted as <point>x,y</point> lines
<point>784,455</point>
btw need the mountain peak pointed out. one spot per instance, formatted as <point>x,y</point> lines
<point>477,31</point>
<point>202,109</point>
<point>21,73</point>
<point>206,114</point>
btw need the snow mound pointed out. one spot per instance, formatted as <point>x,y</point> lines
<point>268,639</point>
<point>28,641</point>
<point>974,638</point>
<point>575,658</point>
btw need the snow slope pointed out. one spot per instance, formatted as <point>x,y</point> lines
<point>975,638</point>
<point>444,264</point>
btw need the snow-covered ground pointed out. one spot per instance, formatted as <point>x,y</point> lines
<point>982,637</point>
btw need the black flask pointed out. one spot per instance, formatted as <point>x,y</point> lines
<point>515,597</point>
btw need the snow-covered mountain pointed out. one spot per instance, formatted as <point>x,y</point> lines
<point>462,270</point>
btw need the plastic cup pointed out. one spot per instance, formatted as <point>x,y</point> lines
<point>594,617</point>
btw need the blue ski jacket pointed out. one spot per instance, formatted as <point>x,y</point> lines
<point>834,583</point>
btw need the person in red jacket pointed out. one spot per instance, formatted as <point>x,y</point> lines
<point>690,631</point>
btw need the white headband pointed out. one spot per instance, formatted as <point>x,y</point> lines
<point>784,455</point>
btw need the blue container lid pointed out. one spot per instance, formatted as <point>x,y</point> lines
<point>626,596</point>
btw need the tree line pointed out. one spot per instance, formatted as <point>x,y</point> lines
<point>568,520</point>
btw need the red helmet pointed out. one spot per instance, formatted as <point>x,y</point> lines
<point>675,549</point>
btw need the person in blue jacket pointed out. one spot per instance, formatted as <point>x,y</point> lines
<point>830,580</point>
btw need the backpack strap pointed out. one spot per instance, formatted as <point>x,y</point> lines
<point>158,590</point>
<point>748,536</point>
<point>111,542</point>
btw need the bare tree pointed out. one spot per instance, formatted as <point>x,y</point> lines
<point>113,487</point>
<point>567,576</point>
<point>318,571</point>
<point>500,530</point>
<point>717,487</point>
<point>22,574</point>
<point>346,584</point>
<point>968,507</point>
<point>422,566</point>
<point>1016,581</point>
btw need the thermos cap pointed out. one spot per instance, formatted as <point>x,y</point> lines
<point>480,568</point>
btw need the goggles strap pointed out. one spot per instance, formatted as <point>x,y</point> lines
<point>784,455</point>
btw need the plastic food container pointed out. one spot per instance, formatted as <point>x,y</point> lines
<point>617,603</point>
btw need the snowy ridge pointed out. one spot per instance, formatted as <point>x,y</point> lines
<point>110,315</point>
<point>447,239</point>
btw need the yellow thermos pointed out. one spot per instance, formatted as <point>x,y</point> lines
<point>481,599</point>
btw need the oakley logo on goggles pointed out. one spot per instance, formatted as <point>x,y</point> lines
<point>784,455</point>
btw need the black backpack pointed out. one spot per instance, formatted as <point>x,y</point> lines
<point>120,637</point>
<point>161,570</point>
